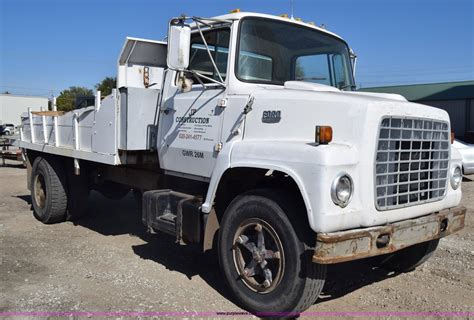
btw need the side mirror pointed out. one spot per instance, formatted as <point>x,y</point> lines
<point>179,43</point>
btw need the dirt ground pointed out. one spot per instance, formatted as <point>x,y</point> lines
<point>108,263</point>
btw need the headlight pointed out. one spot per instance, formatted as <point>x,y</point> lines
<point>456,177</point>
<point>342,189</point>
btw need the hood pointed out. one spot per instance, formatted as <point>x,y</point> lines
<point>292,112</point>
<point>311,86</point>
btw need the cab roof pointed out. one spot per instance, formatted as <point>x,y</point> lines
<point>240,15</point>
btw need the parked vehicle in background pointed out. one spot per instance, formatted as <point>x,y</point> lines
<point>244,133</point>
<point>467,152</point>
<point>7,129</point>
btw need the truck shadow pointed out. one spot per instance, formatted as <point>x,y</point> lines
<point>344,278</point>
<point>119,217</point>
<point>26,198</point>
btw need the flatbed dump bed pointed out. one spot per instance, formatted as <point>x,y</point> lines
<point>78,134</point>
<point>125,121</point>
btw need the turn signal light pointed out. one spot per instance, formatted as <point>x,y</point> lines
<point>452,137</point>
<point>323,134</point>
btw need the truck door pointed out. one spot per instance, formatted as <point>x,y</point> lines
<point>191,122</point>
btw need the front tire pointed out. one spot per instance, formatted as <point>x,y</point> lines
<point>48,190</point>
<point>264,258</point>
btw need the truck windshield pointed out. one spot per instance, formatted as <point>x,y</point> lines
<point>272,51</point>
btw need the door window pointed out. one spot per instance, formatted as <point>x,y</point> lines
<point>218,44</point>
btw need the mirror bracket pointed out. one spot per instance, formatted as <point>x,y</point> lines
<point>353,57</point>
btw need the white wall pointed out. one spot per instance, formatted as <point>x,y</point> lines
<point>12,106</point>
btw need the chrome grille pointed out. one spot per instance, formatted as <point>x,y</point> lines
<point>412,160</point>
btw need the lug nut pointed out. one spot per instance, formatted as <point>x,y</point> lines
<point>242,239</point>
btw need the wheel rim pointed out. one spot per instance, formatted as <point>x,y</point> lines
<point>258,255</point>
<point>40,191</point>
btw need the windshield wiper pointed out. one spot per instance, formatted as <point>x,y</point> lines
<point>352,86</point>
<point>311,78</point>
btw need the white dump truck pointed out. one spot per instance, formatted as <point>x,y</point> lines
<point>244,133</point>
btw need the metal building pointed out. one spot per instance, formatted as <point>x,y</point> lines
<point>12,106</point>
<point>457,98</point>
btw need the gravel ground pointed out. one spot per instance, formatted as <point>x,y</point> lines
<point>108,263</point>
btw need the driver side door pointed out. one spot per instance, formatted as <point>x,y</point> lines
<point>191,122</point>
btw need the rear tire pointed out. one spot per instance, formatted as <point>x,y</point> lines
<point>410,258</point>
<point>294,281</point>
<point>48,190</point>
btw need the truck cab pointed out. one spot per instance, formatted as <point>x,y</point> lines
<point>244,133</point>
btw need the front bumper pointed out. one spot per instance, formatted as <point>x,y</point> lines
<point>335,247</point>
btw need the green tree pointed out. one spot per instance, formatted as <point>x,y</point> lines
<point>105,86</point>
<point>67,98</point>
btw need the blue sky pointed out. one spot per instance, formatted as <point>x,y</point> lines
<point>47,46</point>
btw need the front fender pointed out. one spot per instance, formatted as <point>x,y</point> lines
<point>303,161</point>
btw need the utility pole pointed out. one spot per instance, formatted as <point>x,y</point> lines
<point>292,9</point>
